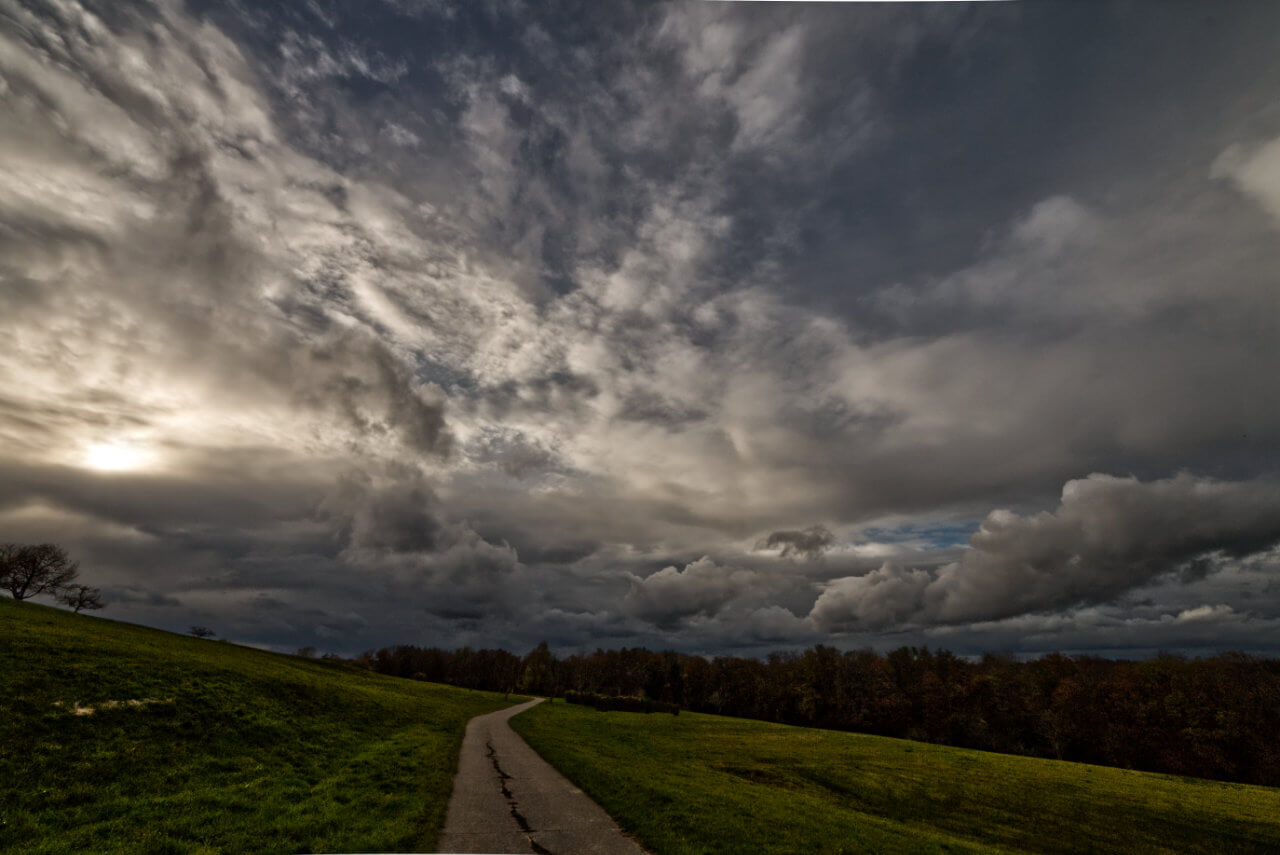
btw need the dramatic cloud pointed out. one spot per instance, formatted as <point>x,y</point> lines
<point>354,324</point>
<point>1108,536</point>
<point>701,588</point>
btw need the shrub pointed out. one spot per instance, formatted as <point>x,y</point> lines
<point>620,703</point>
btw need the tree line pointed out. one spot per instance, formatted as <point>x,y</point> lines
<point>1215,717</point>
<point>30,570</point>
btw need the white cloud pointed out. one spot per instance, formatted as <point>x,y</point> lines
<point>1207,613</point>
<point>1255,171</point>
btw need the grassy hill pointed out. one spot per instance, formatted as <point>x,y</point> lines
<point>701,784</point>
<point>117,738</point>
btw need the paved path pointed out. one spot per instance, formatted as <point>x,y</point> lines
<point>508,799</point>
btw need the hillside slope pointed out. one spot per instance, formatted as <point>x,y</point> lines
<point>708,784</point>
<point>115,737</point>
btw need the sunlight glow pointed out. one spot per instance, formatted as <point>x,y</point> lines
<point>113,458</point>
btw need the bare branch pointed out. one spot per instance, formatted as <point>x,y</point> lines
<point>82,597</point>
<point>26,571</point>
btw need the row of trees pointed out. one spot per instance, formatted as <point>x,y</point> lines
<point>1213,717</point>
<point>29,570</point>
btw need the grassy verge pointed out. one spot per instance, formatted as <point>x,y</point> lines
<point>202,746</point>
<point>700,783</point>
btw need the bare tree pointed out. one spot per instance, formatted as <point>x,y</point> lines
<point>40,569</point>
<point>81,597</point>
<point>202,632</point>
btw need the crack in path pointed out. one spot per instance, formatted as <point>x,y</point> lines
<point>503,777</point>
<point>505,795</point>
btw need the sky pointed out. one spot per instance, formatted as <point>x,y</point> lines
<point>716,327</point>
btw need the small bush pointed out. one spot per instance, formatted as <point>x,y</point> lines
<point>624,703</point>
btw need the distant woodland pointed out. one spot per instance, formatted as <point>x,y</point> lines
<point>1215,717</point>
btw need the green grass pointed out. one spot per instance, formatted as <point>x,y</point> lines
<point>701,783</point>
<point>241,750</point>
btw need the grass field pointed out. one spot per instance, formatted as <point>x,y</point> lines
<point>225,749</point>
<point>698,783</point>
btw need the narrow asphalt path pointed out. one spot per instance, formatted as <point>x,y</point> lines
<point>508,799</point>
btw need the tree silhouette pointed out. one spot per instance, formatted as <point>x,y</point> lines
<point>539,671</point>
<point>81,597</point>
<point>27,570</point>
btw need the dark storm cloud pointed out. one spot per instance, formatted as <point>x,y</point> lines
<point>399,544</point>
<point>672,594</point>
<point>507,321</point>
<point>1109,536</point>
<point>398,519</point>
<point>810,542</point>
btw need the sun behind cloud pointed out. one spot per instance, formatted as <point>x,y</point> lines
<point>113,457</point>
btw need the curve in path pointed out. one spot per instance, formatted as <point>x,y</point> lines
<point>508,799</point>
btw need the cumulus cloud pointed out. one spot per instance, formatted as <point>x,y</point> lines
<point>673,594</point>
<point>885,597</point>
<point>398,538</point>
<point>1109,535</point>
